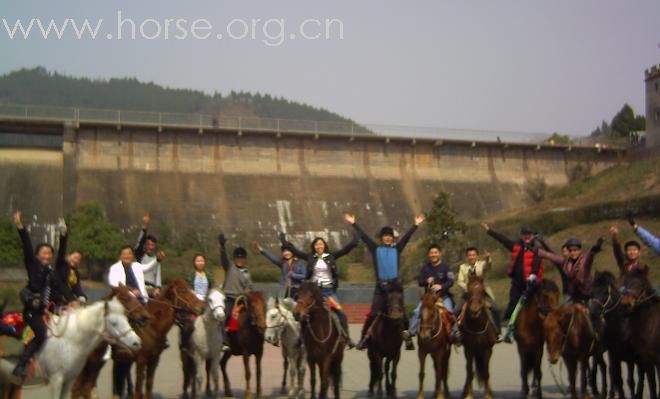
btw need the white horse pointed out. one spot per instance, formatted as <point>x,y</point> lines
<point>71,338</point>
<point>282,327</point>
<point>206,343</point>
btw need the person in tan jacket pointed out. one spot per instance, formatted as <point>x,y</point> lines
<point>480,268</point>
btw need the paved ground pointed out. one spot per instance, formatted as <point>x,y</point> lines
<point>504,371</point>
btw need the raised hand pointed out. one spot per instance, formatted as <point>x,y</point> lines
<point>146,219</point>
<point>614,230</point>
<point>419,219</point>
<point>256,246</point>
<point>282,236</point>
<point>485,226</point>
<point>61,226</point>
<point>350,218</point>
<point>486,253</point>
<point>631,220</point>
<point>160,255</point>
<point>221,239</point>
<point>17,219</point>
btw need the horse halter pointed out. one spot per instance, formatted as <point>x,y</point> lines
<point>107,337</point>
<point>436,318</point>
<point>604,309</point>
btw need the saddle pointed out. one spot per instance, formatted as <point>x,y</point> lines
<point>447,316</point>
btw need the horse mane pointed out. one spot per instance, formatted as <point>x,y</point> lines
<point>313,290</point>
<point>637,276</point>
<point>604,278</point>
<point>549,285</point>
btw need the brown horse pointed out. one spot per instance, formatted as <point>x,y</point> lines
<point>175,300</point>
<point>433,339</point>
<point>321,334</point>
<point>541,298</point>
<point>567,334</point>
<point>478,330</point>
<point>248,340</point>
<point>137,315</point>
<point>385,343</point>
<point>644,307</point>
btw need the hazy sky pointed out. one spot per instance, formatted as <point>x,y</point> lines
<point>535,66</point>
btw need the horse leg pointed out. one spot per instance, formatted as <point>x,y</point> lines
<point>422,359</point>
<point>372,373</point>
<point>469,375</point>
<point>395,364</point>
<point>335,369</point>
<point>437,365</point>
<point>639,394</point>
<point>207,369</point>
<point>197,377</point>
<point>488,391</point>
<point>631,378</point>
<point>300,369</point>
<point>571,369</point>
<point>652,385</point>
<point>225,379</point>
<point>524,372</point>
<point>584,373</point>
<point>312,378</point>
<point>214,373</point>
<point>616,386</point>
<point>55,385</point>
<point>151,373</point>
<point>388,382</point>
<point>538,374</point>
<point>324,371</point>
<point>258,366</point>
<point>379,374</point>
<point>66,390</point>
<point>603,374</point>
<point>248,376</point>
<point>291,370</point>
<point>286,369</point>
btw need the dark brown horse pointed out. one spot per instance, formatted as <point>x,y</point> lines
<point>541,298</point>
<point>478,330</point>
<point>644,307</point>
<point>567,334</point>
<point>324,342</point>
<point>176,300</point>
<point>616,334</point>
<point>137,315</point>
<point>433,339</point>
<point>248,340</point>
<point>385,343</point>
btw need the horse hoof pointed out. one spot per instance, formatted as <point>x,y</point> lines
<point>229,394</point>
<point>420,396</point>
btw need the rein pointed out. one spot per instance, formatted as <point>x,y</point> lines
<point>436,317</point>
<point>311,329</point>
<point>604,309</point>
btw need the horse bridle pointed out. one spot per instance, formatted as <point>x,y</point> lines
<point>113,340</point>
<point>604,309</point>
<point>436,317</point>
<point>305,314</point>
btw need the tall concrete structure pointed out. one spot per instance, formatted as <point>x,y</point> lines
<point>652,79</point>
<point>252,184</point>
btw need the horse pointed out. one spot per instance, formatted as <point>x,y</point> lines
<point>433,339</point>
<point>616,335</point>
<point>323,339</point>
<point>385,343</point>
<point>281,327</point>
<point>644,308</point>
<point>204,347</point>
<point>478,331</point>
<point>567,334</point>
<point>176,299</point>
<point>541,298</point>
<point>137,315</point>
<point>71,338</point>
<point>248,340</point>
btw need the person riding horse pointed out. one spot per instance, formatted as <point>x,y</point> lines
<point>477,268</point>
<point>293,269</point>
<point>45,286</point>
<point>387,259</point>
<point>525,268</point>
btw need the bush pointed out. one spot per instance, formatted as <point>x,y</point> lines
<point>92,235</point>
<point>10,245</point>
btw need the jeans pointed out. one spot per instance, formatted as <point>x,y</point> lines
<point>414,323</point>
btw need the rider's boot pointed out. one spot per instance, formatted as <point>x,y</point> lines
<point>508,338</point>
<point>364,336</point>
<point>21,368</point>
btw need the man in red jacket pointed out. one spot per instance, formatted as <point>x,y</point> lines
<point>525,267</point>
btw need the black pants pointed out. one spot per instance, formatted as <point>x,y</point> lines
<point>36,322</point>
<point>516,291</point>
<point>121,378</point>
<point>379,305</point>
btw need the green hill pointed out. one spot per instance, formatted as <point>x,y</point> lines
<point>42,87</point>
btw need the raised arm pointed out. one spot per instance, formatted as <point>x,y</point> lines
<point>275,261</point>
<point>371,244</point>
<point>616,247</point>
<point>28,251</point>
<point>649,239</point>
<point>347,248</point>
<point>289,245</point>
<point>224,259</point>
<point>401,245</point>
<point>60,263</point>
<point>504,240</point>
<point>552,257</point>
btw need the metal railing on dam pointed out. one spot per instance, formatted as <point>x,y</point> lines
<point>200,121</point>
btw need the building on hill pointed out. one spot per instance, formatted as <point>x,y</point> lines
<point>652,79</point>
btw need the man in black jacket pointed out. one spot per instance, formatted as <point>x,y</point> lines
<point>44,285</point>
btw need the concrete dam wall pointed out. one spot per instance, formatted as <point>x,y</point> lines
<point>251,184</point>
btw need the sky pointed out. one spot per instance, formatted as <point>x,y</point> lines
<point>527,66</point>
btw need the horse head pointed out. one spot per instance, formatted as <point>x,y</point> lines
<point>116,328</point>
<point>215,301</point>
<point>278,314</point>
<point>555,328</point>
<point>135,311</point>
<point>394,301</point>
<point>309,296</point>
<point>476,293</point>
<point>257,309</point>
<point>605,294</point>
<point>429,316</point>
<point>179,294</point>
<point>636,288</point>
<point>546,294</point>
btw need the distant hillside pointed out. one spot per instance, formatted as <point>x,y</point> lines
<point>42,87</point>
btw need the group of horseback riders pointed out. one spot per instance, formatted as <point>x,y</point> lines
<point>54,283</point>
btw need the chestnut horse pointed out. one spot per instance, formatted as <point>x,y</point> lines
<point>433,339</point>
<point>137,316</point>
<point>567,334</point>
<point>644,306</point>
<point>323,339</point>
<point>248,340</point>
<point>541,298</point>
<point>385,343</point>
<point>478,330</point>
<point>176,299</point>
